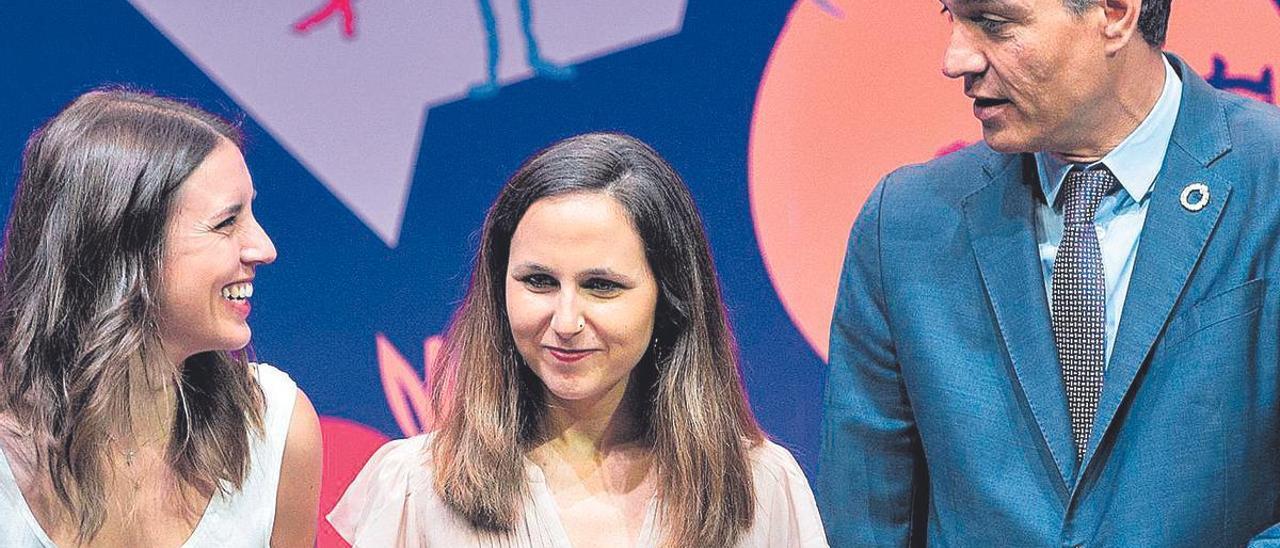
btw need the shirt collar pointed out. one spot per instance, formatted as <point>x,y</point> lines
<point>1138,158</point>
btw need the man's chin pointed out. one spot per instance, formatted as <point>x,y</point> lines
<point>1004,141</point>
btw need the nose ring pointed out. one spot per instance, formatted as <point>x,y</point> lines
<point>581,324</point>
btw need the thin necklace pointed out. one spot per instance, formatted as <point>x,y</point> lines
<point>131,452</point>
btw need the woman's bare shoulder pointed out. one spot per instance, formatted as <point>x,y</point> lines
<point>18,445</point>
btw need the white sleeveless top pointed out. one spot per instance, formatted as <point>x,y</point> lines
<point>232,519</point>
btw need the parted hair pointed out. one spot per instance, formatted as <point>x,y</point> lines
<point>79,291</point>
<point>693,412</point>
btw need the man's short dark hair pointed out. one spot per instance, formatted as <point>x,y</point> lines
<point>1153,21</point>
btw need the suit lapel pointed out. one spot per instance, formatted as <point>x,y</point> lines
<point>1172,240</point>
<point>1000,221</point>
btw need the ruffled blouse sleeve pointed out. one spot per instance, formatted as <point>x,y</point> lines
<point>786,513</point>
<point>377,508</point>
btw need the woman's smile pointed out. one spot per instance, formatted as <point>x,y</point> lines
<point>567,355</point>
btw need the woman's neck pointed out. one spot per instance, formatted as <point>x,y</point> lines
<point>152,400</point>
<point>592,427</point>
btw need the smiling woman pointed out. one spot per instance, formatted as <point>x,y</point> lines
<point>580,298</point>
<point>130,416</point>
<point>588,392</point>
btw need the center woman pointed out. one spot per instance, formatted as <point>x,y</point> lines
<point>588,393</point>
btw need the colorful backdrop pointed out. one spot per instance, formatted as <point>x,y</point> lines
<point>380,130</point>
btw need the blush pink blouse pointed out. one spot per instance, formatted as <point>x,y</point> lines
<point>392,503</point>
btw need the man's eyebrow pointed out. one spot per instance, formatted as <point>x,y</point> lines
<point>981,5</point>
<point>976,2</point>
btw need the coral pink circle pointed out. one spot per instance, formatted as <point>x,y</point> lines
<point>347,446</point>
<point>851,93</point>
<point>844,99</point>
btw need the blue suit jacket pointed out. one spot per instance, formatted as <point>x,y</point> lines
<point>945,414</point>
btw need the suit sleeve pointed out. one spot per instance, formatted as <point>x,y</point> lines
<point>872,490</point>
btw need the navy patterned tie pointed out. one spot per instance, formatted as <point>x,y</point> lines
<point>1079,299</point>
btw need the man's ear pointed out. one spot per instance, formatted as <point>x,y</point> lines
<point>1121,23</point>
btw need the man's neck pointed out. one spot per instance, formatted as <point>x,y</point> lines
<point>1139,80</point>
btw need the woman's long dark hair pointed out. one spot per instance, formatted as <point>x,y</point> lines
<point>79,290</point>
<point>694,412</point>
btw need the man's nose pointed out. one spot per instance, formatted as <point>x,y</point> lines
<point>962,57</point>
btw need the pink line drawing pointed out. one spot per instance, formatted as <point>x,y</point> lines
<point>321,15</point>
<point>408,395</point>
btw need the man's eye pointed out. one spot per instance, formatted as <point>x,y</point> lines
<point>989,24</point>
<point>539,282</point>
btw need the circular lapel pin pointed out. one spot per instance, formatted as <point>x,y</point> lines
<point>1195,197</point>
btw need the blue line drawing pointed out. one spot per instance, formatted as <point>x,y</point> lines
<point>540,66</point>
<point>835,11</point>
<point>1262,86</point>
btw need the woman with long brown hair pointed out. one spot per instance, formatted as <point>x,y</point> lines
<point>129,414</point>
<point>588,393</point>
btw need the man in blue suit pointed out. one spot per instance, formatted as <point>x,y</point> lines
<point>1066,335</point>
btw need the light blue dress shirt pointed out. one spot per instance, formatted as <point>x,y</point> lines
<point>1135,162</point>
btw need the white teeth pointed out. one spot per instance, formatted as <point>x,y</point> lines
<point>238,291</point>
